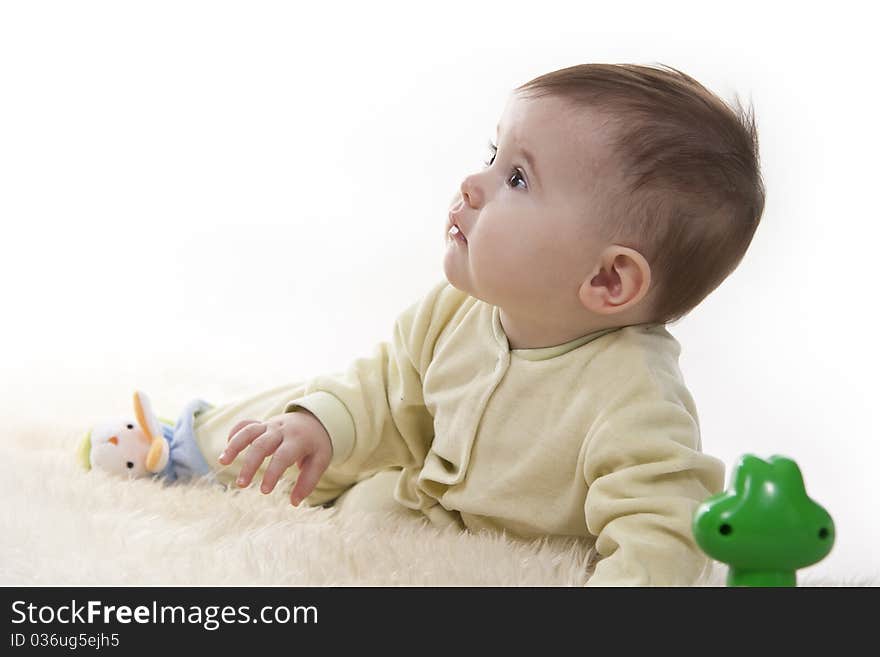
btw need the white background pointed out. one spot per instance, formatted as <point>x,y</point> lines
<point>251,192</point>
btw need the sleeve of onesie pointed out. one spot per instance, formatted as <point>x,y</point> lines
<point>375,412</point>
<point>646,476</point>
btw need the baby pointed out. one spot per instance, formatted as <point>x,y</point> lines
<point>537,390</point>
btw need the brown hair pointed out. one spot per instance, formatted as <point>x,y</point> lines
<point>692,195</point>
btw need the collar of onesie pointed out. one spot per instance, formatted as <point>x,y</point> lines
<point>545,353</point>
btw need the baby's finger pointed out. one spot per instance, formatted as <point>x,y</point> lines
<point>238,426</point>
<point>244,437</point>
<point>285,456</point>
<point>255,455</point>
<point>313,466</point>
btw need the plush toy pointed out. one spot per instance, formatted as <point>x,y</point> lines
<point>142,445</point>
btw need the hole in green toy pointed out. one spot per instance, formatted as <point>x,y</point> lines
<point>823,533</point>
<point>725,529</point>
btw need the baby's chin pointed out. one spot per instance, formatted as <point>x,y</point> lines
<point>455,277</point>
<point>453,280</point>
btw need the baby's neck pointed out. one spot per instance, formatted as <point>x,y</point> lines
<point>533,334</point>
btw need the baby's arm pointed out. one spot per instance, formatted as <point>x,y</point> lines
<point>646,477</point>
<point>374,413</point>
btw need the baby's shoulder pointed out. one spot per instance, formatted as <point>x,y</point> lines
<point>640,362</point>
<point>647,346</point>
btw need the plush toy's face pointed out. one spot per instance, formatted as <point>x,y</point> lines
<point>120,446</point>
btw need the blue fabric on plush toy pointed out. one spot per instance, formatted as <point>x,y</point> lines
<point>185,459</point>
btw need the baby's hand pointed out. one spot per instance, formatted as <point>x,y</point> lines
<point>297,437</point>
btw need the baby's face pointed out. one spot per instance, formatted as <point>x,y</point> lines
<point>529,217</point>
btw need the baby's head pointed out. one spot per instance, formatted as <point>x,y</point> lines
<point>617,195</point>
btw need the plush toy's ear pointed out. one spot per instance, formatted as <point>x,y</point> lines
<point>84,451</point>
<point>143,410</point>
<point>157,457</point>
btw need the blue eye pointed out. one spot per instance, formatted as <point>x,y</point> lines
<point>516,172</point>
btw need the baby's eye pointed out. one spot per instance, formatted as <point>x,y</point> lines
<point>516,172</point>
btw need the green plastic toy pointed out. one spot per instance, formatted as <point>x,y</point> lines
<point>766,527</point>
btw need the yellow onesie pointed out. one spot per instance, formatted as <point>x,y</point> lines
<point>597,438</point>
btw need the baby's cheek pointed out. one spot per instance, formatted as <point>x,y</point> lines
<point>508,264</point>
<point>489,264</point>
<point>545,270</point>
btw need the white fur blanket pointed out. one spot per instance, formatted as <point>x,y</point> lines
<point>64,526</point>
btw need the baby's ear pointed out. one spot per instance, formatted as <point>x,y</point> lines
<point>621,279</point>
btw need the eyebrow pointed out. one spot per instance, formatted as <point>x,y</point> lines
<point>530,159</point>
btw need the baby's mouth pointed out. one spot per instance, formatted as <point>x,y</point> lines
<point>455,233</point>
